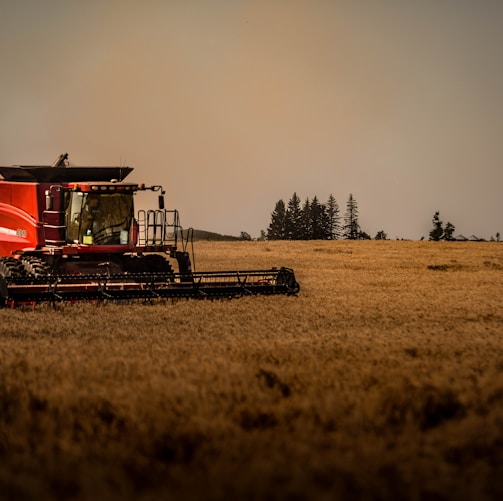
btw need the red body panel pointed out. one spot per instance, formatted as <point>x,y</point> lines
<point>20,226</point>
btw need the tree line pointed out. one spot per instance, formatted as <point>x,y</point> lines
<point>314,220</point>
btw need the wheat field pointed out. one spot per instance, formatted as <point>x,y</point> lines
<point>383,379</point>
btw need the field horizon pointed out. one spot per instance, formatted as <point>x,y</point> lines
<point>382,379</point>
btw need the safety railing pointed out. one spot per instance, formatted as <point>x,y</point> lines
<point>158,227</point>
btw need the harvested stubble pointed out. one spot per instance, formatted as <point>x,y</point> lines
<point>382,379</point>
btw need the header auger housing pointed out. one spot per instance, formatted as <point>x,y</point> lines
<point>72,233</point>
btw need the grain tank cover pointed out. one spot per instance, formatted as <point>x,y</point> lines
<point>47,174</point>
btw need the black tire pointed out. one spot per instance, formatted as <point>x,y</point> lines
<point>35,267</point>
<point>155,263</point>
<point>150,263</point>
<point>11,267</point>
<point>4,292</point>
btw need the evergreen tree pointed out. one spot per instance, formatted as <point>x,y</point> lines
<point>293,223</point>
<point>305,226</point>
<point>318,220</point>
<point>314,220</point>
<point>277,228</point>
<point>449,231</point>
<point>437,232</point>
<point>325,223</point>
<point>333,218</point>
<point>381,235</point>
<point>351,227</point>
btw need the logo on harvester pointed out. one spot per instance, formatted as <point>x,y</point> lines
<point>14,233</point>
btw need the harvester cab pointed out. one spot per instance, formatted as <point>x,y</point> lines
<point>72,233</point>
<point>97,218</point>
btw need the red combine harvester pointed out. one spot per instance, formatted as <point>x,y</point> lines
<point>71,233</point>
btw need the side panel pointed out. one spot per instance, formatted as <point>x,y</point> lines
<point>24,196</point>
<point>5,192</point>
<point>19,226</point>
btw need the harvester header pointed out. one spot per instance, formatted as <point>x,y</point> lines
<point>72,233</point>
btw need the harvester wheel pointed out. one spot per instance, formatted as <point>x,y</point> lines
<point>11,267</point>
<point>4,292</point>
<point>155,263</point>
<point>150,263</point>
<point>35,267</point>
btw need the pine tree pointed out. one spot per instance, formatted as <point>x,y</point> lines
<point>325,223</point>
<point>277,228</point>
<point>437,232</point>
<point>293,223</point>
<point>306,221</point>
<point>316,219</point>
<point>333,223</point>
<point>351,227</point>
<point>449,231</point>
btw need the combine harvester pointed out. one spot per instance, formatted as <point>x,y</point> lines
<point>72,234</point>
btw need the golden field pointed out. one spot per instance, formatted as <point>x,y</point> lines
<point>383,379</point>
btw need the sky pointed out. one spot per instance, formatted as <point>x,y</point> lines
<point>232,105</point>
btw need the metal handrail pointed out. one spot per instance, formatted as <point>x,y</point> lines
<point>158,227</point>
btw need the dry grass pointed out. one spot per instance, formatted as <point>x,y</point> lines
<point>382,379</point>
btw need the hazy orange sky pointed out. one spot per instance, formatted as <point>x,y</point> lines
<point>233,105</point>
